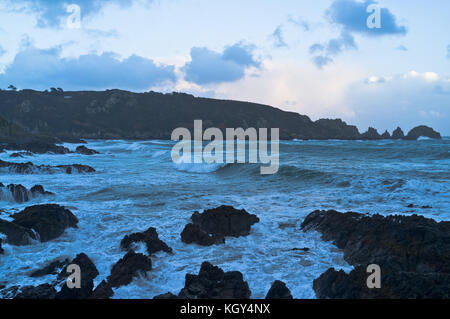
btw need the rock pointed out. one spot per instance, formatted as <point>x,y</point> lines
<point>103,291</point>
<point>1,249</point>
<point>410,247</point>
<point>193,234</point>
<point>305,249</point>
<point>166,296</point>
<point>16,234</point>
<point>214,224</point>
<point>150,238</point>
<point>30,168</point>
<point>39,190</point>
<point>278,290</point>
<point>85,151</point>
<point>44,291</point>
<point>19,193</point>
<point>213,283</point>
<point>371,134</point>
<point>20,154</point>
<point>50,269</point>
<point>386,135</point>
<point>394,285</point>
<point>422,131</point>
<point>129,267</point>
<point>88,273</point>
<point>398,134</point>
<point>49,221</point>
<point>37,147</point>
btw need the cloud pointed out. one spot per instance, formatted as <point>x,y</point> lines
<point>326,51</point>
<point>278,38</point>
<point>210,67</point>
<point>300,22</point>
<point>52,11</point>
<point>448,52</point>
<point>409,99</point>
<point>352,16</point>
<point>41,69</point>
<point>401,48</point>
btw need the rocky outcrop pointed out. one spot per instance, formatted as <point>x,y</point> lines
<point>16,234</point>
<point>278,290</point>
<point>103,291</point>
<point>212,283</point>
<point>129,267</point>
<point>20,154</point>
<point>422,131</point>
<point>414,248</point>
<point>88,273</point>
<point>40,292</point>
<point>20,194</point>
<point>398,134</point>
<point>213,225</point>
<point>371,135</point>
<point>53,268</point>
<point>85,151</point>
<point>385,135</point>
<point>150,238</point>
<point>30,168</point>
<point>49,221</point>
<point>37,147</point>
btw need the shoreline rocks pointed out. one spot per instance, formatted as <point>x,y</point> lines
<point>213,225</point>
<point>150,238</point>
<point>414,248</point>
<point>30,168</point>
<point>128,268</point>
<point>212,283</point>
<point>278,290</point>
<point>85,151</point>
<point>21,194</point>
<point>48,221</point>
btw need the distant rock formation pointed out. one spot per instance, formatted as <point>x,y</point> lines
<point>422,131</point>
<point>30,168</point>
<point>371,134</point>
<point>398,134</point>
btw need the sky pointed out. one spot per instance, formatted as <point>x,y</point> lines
<point>317,58</point>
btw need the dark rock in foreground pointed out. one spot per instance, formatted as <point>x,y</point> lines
<point>213,283</point>
<point>88,273</point>
<point>129,267</point>
<point>51,269</point>
<point>150,238</point>
<point>394,285</point>
<point>278,290</point>
<point>41,292</point>
<point>103,291</point>
<point>213,225</point>
<point>49,221</point>
<point>30,168</point>
<point>85,151</point>
<point>16,234</point>
<point>422,131</point>
<point>412,251</point>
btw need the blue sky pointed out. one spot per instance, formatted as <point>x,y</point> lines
<point>317,58</point>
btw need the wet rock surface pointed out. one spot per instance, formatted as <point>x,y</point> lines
<point>41,292</point>
<point>21,194</point>
<point>413,248</point>
<point>278,290</point>
<point>49,221</point>
<point>213,225</point>
<point>149,237</point>
<point>16,234</point>
<point>51,268</point>
<point>88,273</point>
<point>30,168</point>
<point>85,151</point>
<point>102,291</point>
<point>128,268</point>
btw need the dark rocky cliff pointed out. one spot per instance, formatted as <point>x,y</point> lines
<point>116,114</point>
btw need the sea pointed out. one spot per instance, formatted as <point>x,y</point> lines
<point>137,186</point>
